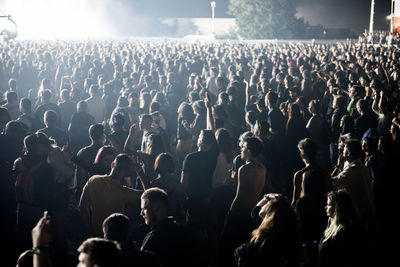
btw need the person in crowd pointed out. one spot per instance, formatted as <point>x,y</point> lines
<point>46,105</point>
<point>184,145</point>
<point>164,167</point>
<point>251,181</point>
<point>103,195</point>
<point>88,153</point>
<point>52,131</point>
<point>276,240</point>
<point>366,120</point>
<point>355,178</point>
<point>4,118</point>
<point>196,178</point>
<point>67,108</point>
<point>342,235</point>
<point>27,117</point>
<point>79,127</point>
<point>308,153</point>
<point>12,105</point>
<point>95,104</point>
<point>116,227</point>
<point>168,240</point>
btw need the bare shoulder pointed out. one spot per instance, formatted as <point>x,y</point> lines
<point>251,168</point>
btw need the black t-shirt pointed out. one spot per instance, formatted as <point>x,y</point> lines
<point>200,166</point>
<point>169,241</point>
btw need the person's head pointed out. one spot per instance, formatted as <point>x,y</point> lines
<point>154,206</point>
<point>314,107</point>
<point>224,142</point>
<point>105,156</point>
<point>96,133</point>
<point>99,252</point>
<point>193,97</point>
<point>11,97</point>
<point>121,165</point>
<point>94,90</point>
<point>251,148</point>
<point>352,150</point>
<point>145,122</point>
<point>395,132</point>
<point>199,107</point>
<point>271,99</point>
<point>308,150</point>
<point>50,118</point>
<point>206,140</point>
<point>164,164</point>
<point>362,106</point>
<point>369,145</point>
<point>340,210</point>
<point>46,96</point>
<point>25,105</point>
<point>261,129</point>
<point>223,98</point>
<point>251,118</point>
<point>65,95</point>
<point>279,225</point>
<point>339,102</point>
<point>82,106</point>
<point>12,84</point>
<point>347,124</point>
<point>118,121</point>
<point>294,92</point>
<point>185,111</point>
<point>37,144</point>
<point>116,228</point>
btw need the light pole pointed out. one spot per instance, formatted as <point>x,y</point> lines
<point>213,5</point>
<point>371,18</point>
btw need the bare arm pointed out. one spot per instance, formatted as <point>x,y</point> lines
<point>130,139</point>
<point>85,209</point>
<point>210,117</point>
<point>185,180</point>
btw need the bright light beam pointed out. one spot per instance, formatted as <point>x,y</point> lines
<point>58,19</point>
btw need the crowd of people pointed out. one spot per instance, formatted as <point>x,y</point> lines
<point>174,153</point>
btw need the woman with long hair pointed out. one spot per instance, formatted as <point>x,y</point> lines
<point>341,243</point>
<point>276,242</point>
<point>225,157</point>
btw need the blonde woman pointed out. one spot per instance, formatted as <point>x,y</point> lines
<point>276,242</point>
<point>342,243</point>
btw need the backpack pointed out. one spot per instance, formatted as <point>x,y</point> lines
<point>24,186</point>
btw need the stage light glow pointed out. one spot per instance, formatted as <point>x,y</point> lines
<point>57,19</point>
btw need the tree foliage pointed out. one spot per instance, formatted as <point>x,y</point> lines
<point>266,19</point>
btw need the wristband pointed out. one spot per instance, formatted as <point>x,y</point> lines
<point>39,249</point>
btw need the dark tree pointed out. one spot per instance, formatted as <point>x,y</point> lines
<point>267,19</point>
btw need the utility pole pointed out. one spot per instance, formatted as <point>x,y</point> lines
<point>371,18</point>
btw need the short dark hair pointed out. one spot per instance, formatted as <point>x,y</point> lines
<point>116,227</point>
<point>156,195</point>
<point>50,116</point>
<point>307,148</point>
<point>146,117</point>
<point>254,145</point>
<point>164,164</point>
<point>96,131</point>
<point>209,138</point>
<point>122,162</point>
<point>26,104</point>
<point>104,253</point>
<point>354,147</point>
<point>272,98</point>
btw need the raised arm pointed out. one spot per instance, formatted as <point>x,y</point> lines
<point>210,117</point>
<point>129,141</point>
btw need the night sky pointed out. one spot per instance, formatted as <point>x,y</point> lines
<point>353,14</point>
